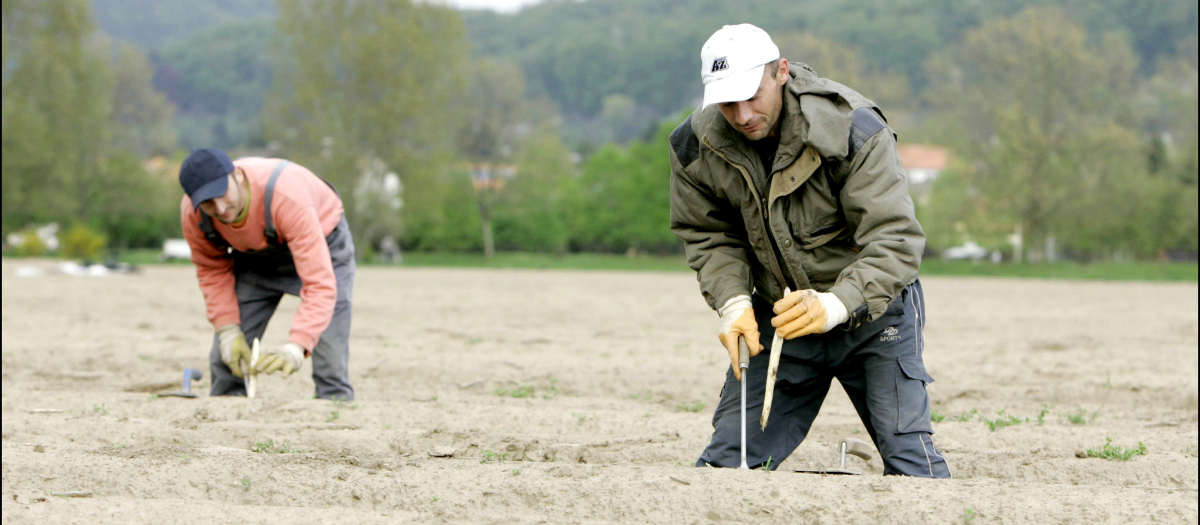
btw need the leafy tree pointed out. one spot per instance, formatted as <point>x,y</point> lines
<point>57,94</point>
<point>532,211</point>
<point>142,118</point>
<point>627,196</point>
<point>1027,92</point>
<point>75,118</point>
<point>361,83</point>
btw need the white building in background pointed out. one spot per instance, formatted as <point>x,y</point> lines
<point>923,163</point>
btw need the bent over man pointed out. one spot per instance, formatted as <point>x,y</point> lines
<point>783,180</point>
<point>260,228</point>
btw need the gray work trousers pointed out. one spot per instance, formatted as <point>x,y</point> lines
<point>879,365</point>
<point>261,281</point>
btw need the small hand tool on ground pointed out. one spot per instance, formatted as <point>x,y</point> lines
<point>772,371</point>
<point>248,373</point>
<point>744,364</point>
<point>854,447</point>
<point>189,375</point>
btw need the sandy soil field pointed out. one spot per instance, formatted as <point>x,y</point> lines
<point>577,397</point>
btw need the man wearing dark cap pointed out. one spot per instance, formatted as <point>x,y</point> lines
<point>793,207</point>
<point>260,228</point>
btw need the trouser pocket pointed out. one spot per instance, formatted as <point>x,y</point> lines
<point>912,401</point>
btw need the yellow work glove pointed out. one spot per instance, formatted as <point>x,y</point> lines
<point>737,318</point>
<point>804,312</point>
<point>287,358</point>
<point>234,350</point>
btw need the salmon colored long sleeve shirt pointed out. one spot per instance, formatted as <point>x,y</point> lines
<point>304,210</point>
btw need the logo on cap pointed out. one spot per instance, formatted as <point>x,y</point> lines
<point>720,64</point>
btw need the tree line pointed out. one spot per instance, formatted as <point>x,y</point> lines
<point>1074,124</point>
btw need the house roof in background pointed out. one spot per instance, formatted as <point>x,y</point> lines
<point>923,156</point>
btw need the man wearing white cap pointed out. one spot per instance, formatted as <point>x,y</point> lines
<point>786,181</point>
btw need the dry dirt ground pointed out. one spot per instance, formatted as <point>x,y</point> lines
<point>619,374</point>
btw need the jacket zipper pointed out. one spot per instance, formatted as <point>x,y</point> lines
<point>762,205</point>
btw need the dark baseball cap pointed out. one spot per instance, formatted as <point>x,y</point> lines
<point>203,175</point>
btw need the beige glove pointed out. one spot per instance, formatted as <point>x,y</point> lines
<point>737,318</point>
<point>806,312</point>
<point>234,350</point>
<point>287,358</point>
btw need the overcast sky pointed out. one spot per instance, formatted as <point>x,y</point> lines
<point>501,6</point>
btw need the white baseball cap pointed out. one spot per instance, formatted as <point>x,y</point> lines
<point>732,61</point>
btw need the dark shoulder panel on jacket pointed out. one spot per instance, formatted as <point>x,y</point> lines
<point>685,143</point>
<point>867,122</point>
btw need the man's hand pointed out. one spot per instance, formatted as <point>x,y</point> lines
<point>234,350</point>
<point>287,358</point>
<point>806,312</point>
<point>737,318</point>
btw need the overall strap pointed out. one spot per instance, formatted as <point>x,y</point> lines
<point>210,233</point>
<point>269,228</point>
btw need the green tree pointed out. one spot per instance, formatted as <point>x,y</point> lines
<point>361,83</point>
<point>142,118</point>
<point>1026,93</point>
<point>531,212</point>
<point>57,95</point>
<point>76,118</point>
<point>496,112</point>
<point>627,196</point>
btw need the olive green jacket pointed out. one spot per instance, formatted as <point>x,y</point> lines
<point>838,206</point>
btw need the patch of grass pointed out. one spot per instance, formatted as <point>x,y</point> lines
<point>435,498</point>
<point>333,415</point>
<point>767,464</point>
<point>967,416</point>
<point>490,456</point>
<point>99,409</point>
<point>518,392</point>
<point>245,482</point>
<point>1041,419</point>
<point>185,459</point>
<point>968,515</point>
<point>553,392</point>
<point>1001,421</point>
<point>1116,453</point>
<point>269,446</point>
<point>644,396</point>
<point>694,406</point>
<point>516,472</point>
<point>579,417</point>
<point>935,416</point>
<point>1080,416</point>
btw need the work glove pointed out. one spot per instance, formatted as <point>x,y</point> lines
<point>806,312</point>
<point>286,358</point>
<point>737,318</point>
<point>234,350</point>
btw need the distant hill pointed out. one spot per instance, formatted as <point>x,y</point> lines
<point>152,23</point>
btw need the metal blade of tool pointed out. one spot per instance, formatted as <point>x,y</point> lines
<point>744,366</point>
<point>772,372</point>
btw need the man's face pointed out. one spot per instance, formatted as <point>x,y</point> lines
<point>226,208</point>
<point>757,117</point>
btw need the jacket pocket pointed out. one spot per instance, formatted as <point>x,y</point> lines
<point>912,401</point>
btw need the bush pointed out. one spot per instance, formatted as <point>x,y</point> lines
<point>30,245</point>
<point>84,243</point>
